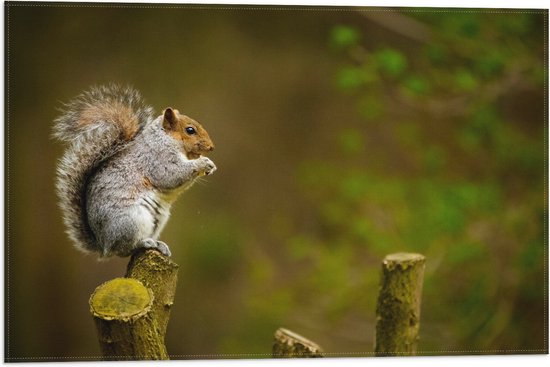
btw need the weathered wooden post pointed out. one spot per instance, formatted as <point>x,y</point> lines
<point>398,307</point>
<point>131,314</point>
<point>291,345</point>
<point>160,274</point>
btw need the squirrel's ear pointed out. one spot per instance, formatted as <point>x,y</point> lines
<point>170,118</point>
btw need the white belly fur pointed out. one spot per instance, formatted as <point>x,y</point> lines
<point>150,217</point>
<point>146,216</point>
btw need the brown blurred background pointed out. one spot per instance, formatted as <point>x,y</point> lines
<point>341,136</point>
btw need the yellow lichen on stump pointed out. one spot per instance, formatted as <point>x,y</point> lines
<point>160,274</point>
<point>121,299</point>
<point>398,306</point>
<point>126,330</point>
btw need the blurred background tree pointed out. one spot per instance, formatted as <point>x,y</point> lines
<point>442,163</point>
<point>340,137</point>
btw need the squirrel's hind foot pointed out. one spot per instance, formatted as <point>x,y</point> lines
<point>160,246</point>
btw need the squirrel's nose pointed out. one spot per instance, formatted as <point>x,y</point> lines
<point>211,148</point>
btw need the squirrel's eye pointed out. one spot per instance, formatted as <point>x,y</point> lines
<point>190,130</point>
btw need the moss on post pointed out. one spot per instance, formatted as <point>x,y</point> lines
<point>398,307</point>
<point>122,313</point>
<point>131,314</point>
<point>160,274</point>
<point>289,344</point>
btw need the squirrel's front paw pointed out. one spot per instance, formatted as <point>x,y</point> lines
<point>206,166</point>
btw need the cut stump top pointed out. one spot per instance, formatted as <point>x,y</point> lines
<point>403,260</point>
<point>122,299</point>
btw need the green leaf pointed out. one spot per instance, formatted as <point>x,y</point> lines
<point>416,85</point>
<point>344,36</point>
<point>466,81</point>
<point>349,78</point>
<point>391,62</point>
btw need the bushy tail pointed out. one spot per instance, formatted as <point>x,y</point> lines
<point>96,125</point>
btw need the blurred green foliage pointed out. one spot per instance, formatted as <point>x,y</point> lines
<point>472,189</point>
<point>458,178</point>
<point>341,136</point>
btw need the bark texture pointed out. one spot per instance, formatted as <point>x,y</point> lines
<point>160,274</point>
<point>122,313</point>
<point>291,345</point>
<point>131,314</point>
<point>398,307</point>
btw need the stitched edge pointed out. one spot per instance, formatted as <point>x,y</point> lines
<point>269,355</point>
<point>545,247</point>
<point>276,8</point>
<point>7,183</point>
<point>238,7</point>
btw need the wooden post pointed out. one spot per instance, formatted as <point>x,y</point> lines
<point>160,274</point>
<point>398,307</point>
<point>131,314</point>
<point>122,313</point>
<point>289,344</point>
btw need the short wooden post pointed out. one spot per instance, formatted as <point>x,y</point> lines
<point>122,313</point>
<point>131,314</point>
<point>398,307</point>
<point>291,345</point>
<point>160,274</point>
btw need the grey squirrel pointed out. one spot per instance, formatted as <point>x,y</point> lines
<point>123,168</point>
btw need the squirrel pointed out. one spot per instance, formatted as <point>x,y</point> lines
<point>123,168</point>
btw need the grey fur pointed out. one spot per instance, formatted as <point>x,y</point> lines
<point>107,206</point>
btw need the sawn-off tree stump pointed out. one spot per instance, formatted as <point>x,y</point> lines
<point>131,314</point>
<point>398,307</point>
<point>288,344</point>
